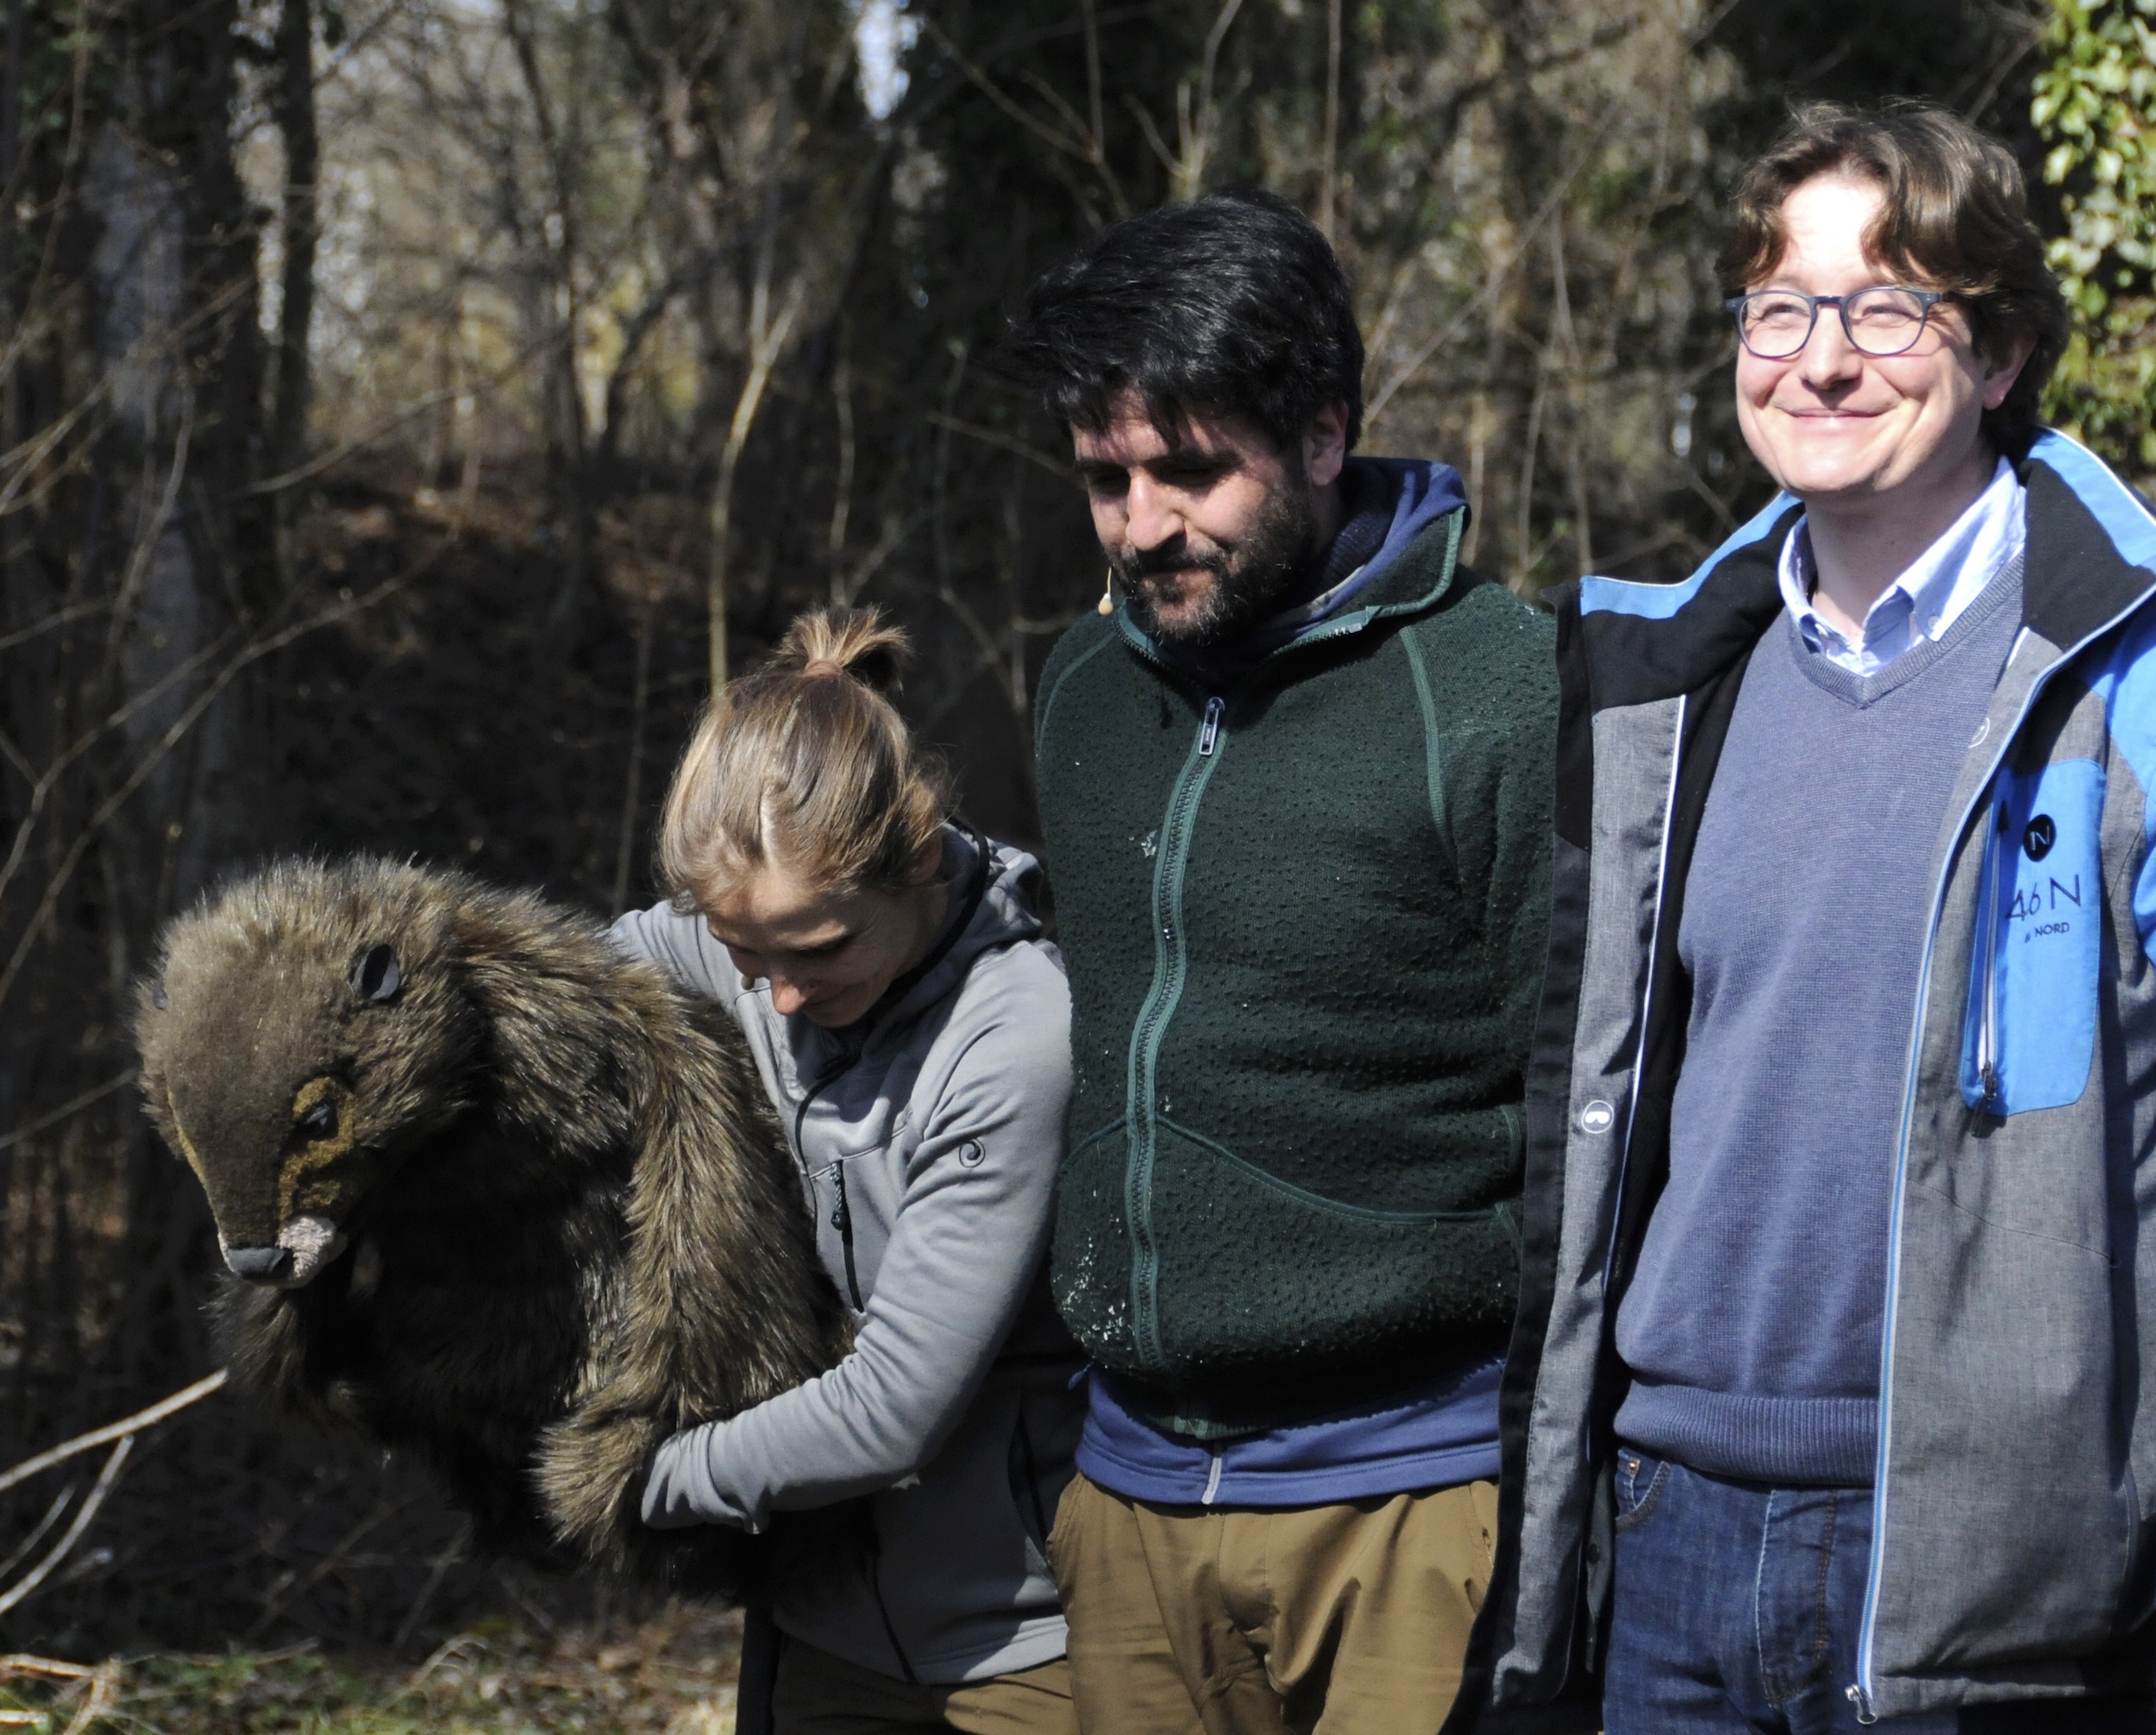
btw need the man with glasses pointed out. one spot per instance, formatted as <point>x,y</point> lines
<point>1833,1399</point>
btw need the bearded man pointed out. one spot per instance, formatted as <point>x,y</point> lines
<point>1295,787</point>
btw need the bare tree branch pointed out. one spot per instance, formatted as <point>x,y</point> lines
<point>146,1418</point>
<point>27,1585</point>
<point>73,1105</point>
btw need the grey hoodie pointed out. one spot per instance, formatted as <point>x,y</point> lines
<point>929,1137</point>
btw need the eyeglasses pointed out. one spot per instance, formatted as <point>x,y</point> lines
<point>1774,324</point>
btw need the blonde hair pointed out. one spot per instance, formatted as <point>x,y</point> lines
<point>806,765</point>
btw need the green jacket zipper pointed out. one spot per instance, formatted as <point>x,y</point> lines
<point>1170,961</point>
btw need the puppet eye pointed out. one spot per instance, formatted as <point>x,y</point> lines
<point>157,993</point>
<point>320,1121</point>
<point>376,976</point>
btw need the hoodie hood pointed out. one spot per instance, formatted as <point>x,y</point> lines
<point>1419,493</point>
<point>993,887</point>
<point>1386,504</point>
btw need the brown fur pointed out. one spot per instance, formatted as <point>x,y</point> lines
<point>568,1223</point>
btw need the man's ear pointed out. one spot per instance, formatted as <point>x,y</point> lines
<point>1324,446</point>
<point>1999,374</point>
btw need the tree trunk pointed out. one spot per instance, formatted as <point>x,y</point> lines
<point>302,225</point>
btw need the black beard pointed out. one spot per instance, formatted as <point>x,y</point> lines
<point>1251,577</point>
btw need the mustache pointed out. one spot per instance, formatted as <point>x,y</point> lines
<point>1154,563</point>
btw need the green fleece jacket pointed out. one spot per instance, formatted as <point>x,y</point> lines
<point>1304,920</point>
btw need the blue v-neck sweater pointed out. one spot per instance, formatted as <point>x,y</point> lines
<point>1751,1326</point>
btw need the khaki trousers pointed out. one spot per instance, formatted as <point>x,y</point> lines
<point>818,1693</point>
<point>1349,1620</point>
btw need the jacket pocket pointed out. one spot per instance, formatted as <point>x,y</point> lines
<point>1262,1279</point>
<point>2029,1037</point>
<point>1037,1467</point>
<point>1089,1270</point>
<point>1085,1145</point>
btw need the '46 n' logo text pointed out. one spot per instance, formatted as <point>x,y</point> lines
<point>2046,904</point>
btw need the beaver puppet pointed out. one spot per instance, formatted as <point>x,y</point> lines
<point>488,1191</point>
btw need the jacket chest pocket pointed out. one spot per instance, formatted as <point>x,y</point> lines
<point>2030,1035</point>
<point>852,1194</point>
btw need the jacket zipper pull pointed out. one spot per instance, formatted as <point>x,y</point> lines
<point>842,1221</point>
<point>1209,732</point>
<point>1988,1033</point>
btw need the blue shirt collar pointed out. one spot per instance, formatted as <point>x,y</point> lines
<point>1929,596</point>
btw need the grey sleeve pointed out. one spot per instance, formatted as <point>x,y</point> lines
<point>970,1232</point>
<point>681,946</point>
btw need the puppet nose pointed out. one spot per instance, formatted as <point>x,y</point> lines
<point>259,1264</point>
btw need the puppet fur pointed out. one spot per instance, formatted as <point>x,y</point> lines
<point>488,1190</point>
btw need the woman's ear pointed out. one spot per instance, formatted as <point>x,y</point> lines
<point>928,865</point>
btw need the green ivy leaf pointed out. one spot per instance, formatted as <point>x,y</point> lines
<point>2094,105</point>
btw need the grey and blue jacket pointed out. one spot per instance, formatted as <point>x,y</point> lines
<point>2015,1490</point>
<point>929,1137</point>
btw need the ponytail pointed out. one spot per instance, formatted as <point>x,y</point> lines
<point>806,766</point>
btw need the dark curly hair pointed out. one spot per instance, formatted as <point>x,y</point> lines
<point>1233,306</point>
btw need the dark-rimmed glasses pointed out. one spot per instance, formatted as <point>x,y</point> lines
<point>1774,324</point>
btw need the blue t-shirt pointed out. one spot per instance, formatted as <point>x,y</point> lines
<point>1433,1434</point>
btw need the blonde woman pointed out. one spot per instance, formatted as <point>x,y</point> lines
<point>912,1028</point>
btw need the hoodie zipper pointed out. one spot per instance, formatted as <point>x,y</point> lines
<point>1170,959</point>
<point>1863,1691</point>
<point>841,1213</point>
<point>842,1221</point>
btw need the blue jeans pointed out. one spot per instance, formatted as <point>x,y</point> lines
<point>1736,1610</point>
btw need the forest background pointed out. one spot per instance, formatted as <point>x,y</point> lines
<point>406,407</point>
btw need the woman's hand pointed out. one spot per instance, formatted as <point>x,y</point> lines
<point>679,1491</point>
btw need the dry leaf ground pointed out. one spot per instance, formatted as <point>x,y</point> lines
<point>673,1675</point>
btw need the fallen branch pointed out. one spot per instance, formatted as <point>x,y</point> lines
<point>49,1666</point>
<point>105,1694</point>
<point>454,1647</point>
<point>112,1431</point>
